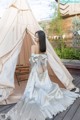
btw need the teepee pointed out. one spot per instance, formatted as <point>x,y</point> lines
<point>17,29</point>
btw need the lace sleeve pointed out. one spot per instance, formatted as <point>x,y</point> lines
<point>33,59</point>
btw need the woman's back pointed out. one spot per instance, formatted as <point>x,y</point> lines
<point>35,49</point>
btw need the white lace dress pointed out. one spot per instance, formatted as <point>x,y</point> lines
<point>42,98</point>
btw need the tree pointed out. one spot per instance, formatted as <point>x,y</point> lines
<point>76,31</point>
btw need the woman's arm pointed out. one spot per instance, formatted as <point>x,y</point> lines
<point>32,49</point>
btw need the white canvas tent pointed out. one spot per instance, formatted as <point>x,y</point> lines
<point>14,40</point>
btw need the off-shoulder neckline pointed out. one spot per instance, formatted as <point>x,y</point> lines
<point>40,53</point>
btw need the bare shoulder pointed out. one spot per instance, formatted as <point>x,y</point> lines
<point>33,48</point>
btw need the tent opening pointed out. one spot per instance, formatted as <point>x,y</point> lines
<point>23,64</point>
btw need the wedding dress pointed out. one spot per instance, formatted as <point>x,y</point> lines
<point>42,98</point>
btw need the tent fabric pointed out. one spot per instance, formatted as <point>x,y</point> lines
<point>17,29</point>
<point>21,5</point>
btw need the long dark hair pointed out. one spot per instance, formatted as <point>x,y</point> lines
<point>42,40</point>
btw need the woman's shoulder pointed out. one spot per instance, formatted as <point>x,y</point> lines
<point>33,48</point>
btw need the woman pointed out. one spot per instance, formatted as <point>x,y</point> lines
<point>42,98</point>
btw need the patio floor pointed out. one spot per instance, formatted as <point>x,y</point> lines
<point>72,113</point>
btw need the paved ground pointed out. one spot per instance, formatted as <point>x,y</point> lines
<point>72,113</point>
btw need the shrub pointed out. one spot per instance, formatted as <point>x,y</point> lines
<point>68,53</point>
